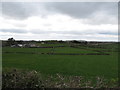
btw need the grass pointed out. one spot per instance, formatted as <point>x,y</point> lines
<point>9,49</point>
<point>88,66</point>
<point>48,50</point>
<point>72,50</point>
<point>69,65</point>
<point>111,47</point>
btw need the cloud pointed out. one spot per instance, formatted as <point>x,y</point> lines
<point>57,36</point>
<point>24,10</point>
<point>13,31</point>
<point>90,11</point>
<point>63,20</point>
<point>57,25</point>
<point>14,10</point>
<point>83,9</point>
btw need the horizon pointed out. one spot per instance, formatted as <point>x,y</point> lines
<point>57,40</point>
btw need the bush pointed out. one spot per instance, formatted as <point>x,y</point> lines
<point>14,78</point>
<point>21,79</point>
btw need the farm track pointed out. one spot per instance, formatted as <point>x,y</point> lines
<point>60,53</point>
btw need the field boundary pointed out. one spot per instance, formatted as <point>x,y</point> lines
<point>100,51</point>
<point>61,53</point>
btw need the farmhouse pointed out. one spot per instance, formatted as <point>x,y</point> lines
<point>32,45</point>
<point>20,45</point>
<point>42,43</point>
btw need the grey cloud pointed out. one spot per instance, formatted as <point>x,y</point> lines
<point>14,10</point>
<point>22,10</point>
<point>83,9</point>
<point>77,33</point>
<point>13,31</point>
<point>94,12</point>
<point>110,33</point>
<point>0,9</point>
<point>74,9</point>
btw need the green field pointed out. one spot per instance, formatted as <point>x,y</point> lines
<point>9,49</point>
<point>80,65</point>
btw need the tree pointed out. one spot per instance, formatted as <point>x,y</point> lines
<point>11,41</point>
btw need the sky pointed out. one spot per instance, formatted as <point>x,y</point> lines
<point>91,21</point>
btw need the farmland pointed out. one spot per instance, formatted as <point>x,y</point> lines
<point>74,60</point>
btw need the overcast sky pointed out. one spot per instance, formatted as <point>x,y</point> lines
<point>92,21</point>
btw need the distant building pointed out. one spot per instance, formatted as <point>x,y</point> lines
<point>32,45</point>
<point>42,43</point>
<point>20,45</point>
<point>13,46</point>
